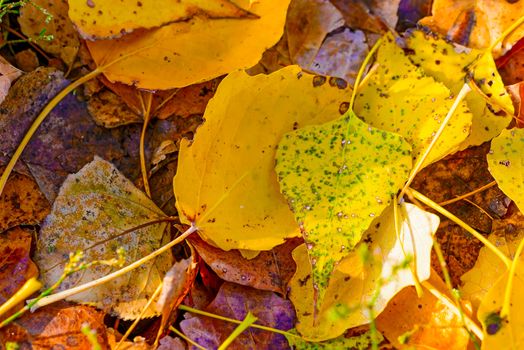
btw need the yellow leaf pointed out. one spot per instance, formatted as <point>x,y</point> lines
<point>93,206</point>
<point>506,164</point>
<point>185,53</point>
<point>337,177</point>
<point>451,64</point>
<point>399,97</point>
<point>99,19</point>
<point>368,277</point>
<point>226,182</point>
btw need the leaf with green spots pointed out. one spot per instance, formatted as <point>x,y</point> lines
<point>93,207</point>
<point>337,177</point>
<point>366,279</point>
<point>506,164</point>
<point>357,342</point>
<point>399,97</point>
<point>226,182</point>
<point>451,64</point>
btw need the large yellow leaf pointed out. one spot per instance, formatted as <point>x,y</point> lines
<point>506,164</point>
<point>451,65</point>
<point>399,97</point>
<point>368,277</point>
<point>200,49</point>
<point>226,183</point>
<point>93,206</point>
<point>337,177</point>
<point>98,19</point>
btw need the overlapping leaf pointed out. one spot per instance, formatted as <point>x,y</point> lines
<point>399,97</point>
<point>185,53</point>
<point>453,66</point>
<point>368,277</point>
<point>337,177</point>
<point>506,164</point>
<point>226,183</point>
<point>93,206</point>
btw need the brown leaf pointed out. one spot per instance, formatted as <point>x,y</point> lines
<point>517,95</point>
<point>108,111</point>
<point>56,326</point>
<point>22,203</point>
<point>15,265</point>
<point>270,270</point>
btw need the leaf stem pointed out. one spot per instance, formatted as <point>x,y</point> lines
<point>506,32</point>
<point>465,195</point>
<point>68,292</point>
<point>245,324</point>
<point>31,286</point>
<point>183,336</point>
<point>360,73</point>
<point>461,223</point>
<point>147,116</point>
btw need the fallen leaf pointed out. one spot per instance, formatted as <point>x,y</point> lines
<point>235,302</point>
<point>138,343</point>
<point>231,160</point>
<point>506,164</point>
<point>56,326</point>
<point>27,60</point>
<point>368,277</point>
<point>32,20</point>
<point>102,20</point>
<point>169,343</point>
<point>108,110</point>
<point>510,65</point>
<point>451,65</point>
<point>398,97</point>
<point>357,342</point>
<point>205,48</point>
<point>22,203</point>
<point>424,322</point>
<point>476,23</point>
<point>410,12</point>
<point>270,270</point>
<point>358,15</point>
<point>8,75</point>
<point>93,206</point>
<point>16,267</point>
<point>517,95</point>
<point>337,177</point>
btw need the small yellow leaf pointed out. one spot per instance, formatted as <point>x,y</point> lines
<point>368,277</point>
<point>337,177</point>
<point>506,164</point>
<point>185,53</point>
<point>451,64</point>
<point>99,19</point>
<point>399,97</point>
<point>226,183</point>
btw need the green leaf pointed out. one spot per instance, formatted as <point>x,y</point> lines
<point>358,342</point>
<point>506,164</point>
<point>337,177</point>
<point>451,65</point>
<point>399,97</point>
<point>93,206</point>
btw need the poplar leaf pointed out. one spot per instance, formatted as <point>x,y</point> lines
<point>93,206</point>
<point>368,277</point>
<point>399,97</point>
<point>337,177</point>
<point>226,183</point>
<point>450,64</point>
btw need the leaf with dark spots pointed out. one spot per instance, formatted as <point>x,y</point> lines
<point>235,302</point>
<point>270,270</point>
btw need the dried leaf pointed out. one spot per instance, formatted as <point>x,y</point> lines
<point>235,302</point>
<point>368,277</point>
<point>97,19</point>
<point>8,75</point>
<point>270,270</point>
<point>358,342</point>
<point>399,97</point>
<point>231,160</point>
<point>108,110</point>
<point>93,206</point>
<point>205,48</point>
<point>337,177</point>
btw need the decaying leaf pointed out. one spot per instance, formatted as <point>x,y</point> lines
<point>97,19</point>
<point>357,342</point>
<point>8,74</point>
<point>398,97</point>
<point>65,42</point>
<point>337,177</point>
<point>270,270</point>
<point>506,164</point>
<point>476,23</point>
<point>455,65</point>
<point>235,302</point>
<point>204,48</point>
<point>93,206</point>
<point>226,182</point>
<point>368,277</point>
<point>108,110</point>
<point>56,326</point>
